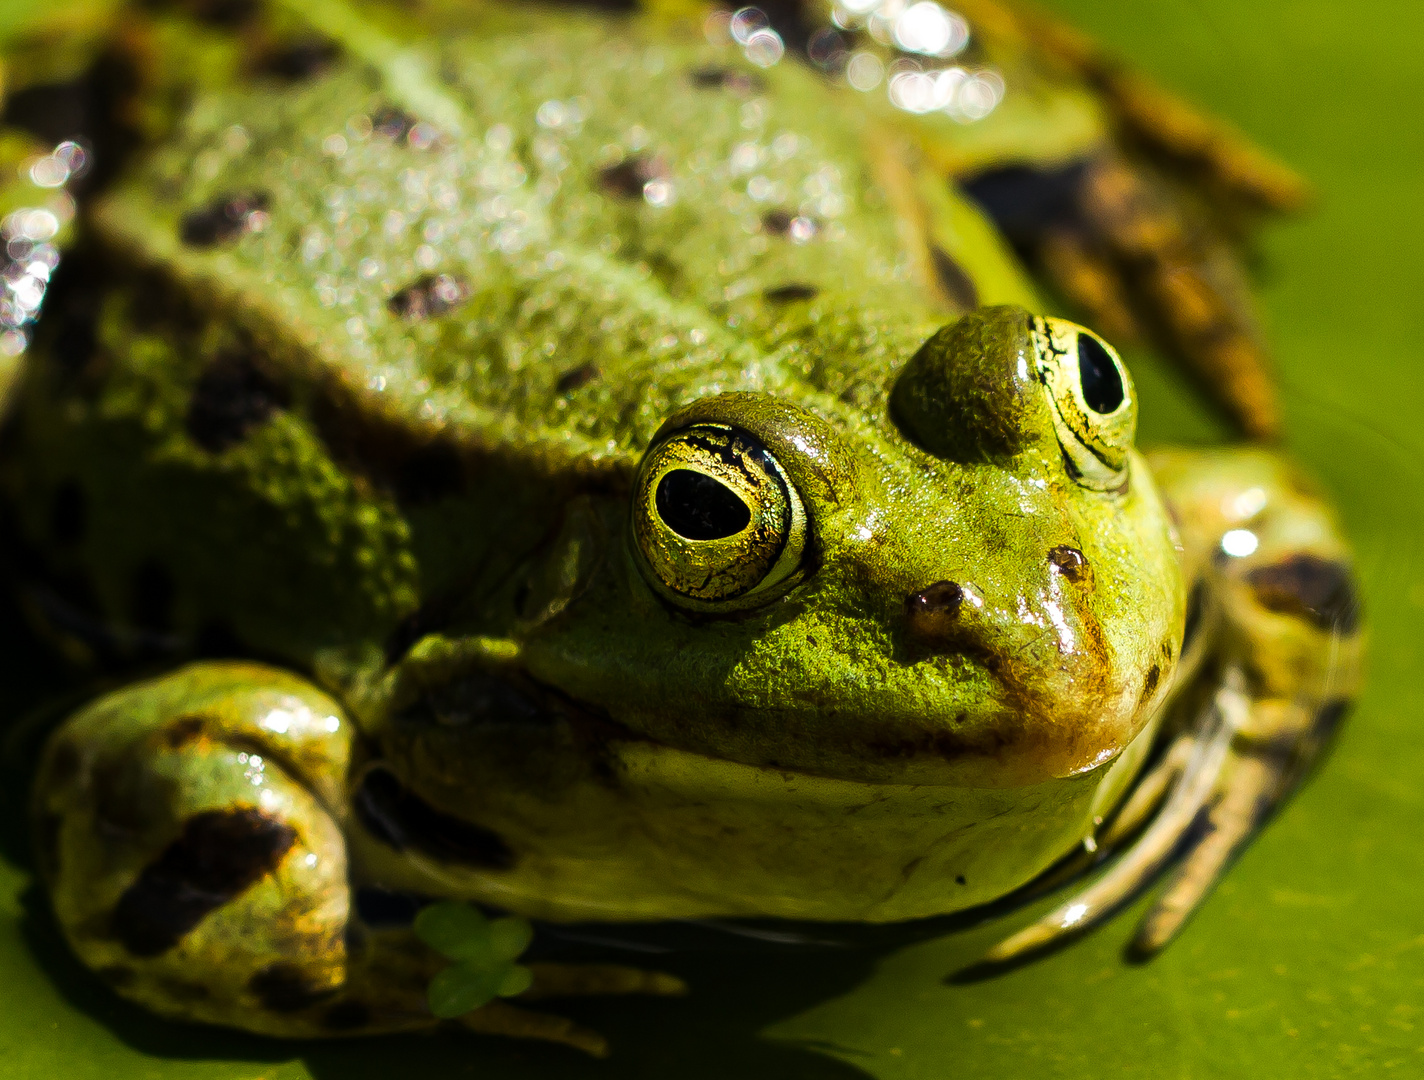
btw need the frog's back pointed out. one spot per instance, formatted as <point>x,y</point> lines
<point>390,322</point>
<point>566,251</point>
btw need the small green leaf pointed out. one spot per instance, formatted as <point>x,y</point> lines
<point>463,987</point>
<point>516,980</point>
<point>455,930</point>
<point>509,937</point>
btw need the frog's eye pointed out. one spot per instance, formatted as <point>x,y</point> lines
<point>1091,398</point>
<point>715,517</point>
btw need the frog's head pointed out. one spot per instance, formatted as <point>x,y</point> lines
<point>978,586</point>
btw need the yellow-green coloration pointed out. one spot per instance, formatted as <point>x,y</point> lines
<point>664,472</point>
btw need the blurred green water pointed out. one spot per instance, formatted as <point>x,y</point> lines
<point>1309,960</point>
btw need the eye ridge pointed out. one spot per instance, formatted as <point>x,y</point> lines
<point>729,453</point>
<point>699,507</point>
<point>1098,375</point>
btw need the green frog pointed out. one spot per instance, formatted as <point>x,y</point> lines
<point>587,466</point>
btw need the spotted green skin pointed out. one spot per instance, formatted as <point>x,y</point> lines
<point>430,507</point>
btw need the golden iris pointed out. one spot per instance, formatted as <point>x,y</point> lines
<point>715,517</point>
<point>1092,400</point>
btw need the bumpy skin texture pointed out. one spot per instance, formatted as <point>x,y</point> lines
<point>372,408</point>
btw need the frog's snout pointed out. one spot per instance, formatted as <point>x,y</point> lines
<point>947,617</point>
<point>933,613</point>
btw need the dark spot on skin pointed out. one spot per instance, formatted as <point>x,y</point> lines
<point>68,514</point>
<point>432,473</point>
<point>956,285</point>
<point>576,378</point>
<point>382,907</point>
<point>796,290</point>
<point>233,395</point>
<point>777,222</point>
<point>284,988</point>
<point>348,1016</point>
<point>1149,684</point>
<point>117,975</point>
<point>220,854</point>
<point>430,296</point>
<point>151,595</point>
<point>391,122</point>
<point>183,731</point>
<point>1309,587</point>
<point>959,880</point>
<point>712,77</point>
<point>397,816</point>
<point>1196,601</point>
<point>225,218</point>
<point>299,60</point>
<point>626,179</point>
<point>1070,562</point>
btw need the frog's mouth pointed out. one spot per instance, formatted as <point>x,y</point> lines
<point>519,725</point>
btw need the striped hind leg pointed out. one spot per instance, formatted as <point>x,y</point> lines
<point>1271,663</point>
<point>190,832</point>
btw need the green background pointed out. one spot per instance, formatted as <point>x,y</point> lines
<point>1307,962</point>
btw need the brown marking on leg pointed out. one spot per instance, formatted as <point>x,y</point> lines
<point>220,854</point>
<point>1185,275</point>
<point>1087,277</point>
<point>1309,587</point>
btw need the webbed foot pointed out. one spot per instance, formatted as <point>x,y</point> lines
<point>1275,628</point>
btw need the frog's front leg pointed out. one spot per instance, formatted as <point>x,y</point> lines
<point>1269,666</point>
<point>191,833</point>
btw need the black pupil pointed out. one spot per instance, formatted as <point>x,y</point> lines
<point>1102,385</point>
<point>695,506</point>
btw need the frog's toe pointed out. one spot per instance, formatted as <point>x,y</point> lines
<point>598,980</point>
<point>502,1018</point>
<point>1252,789</point>
<point>1206,754</point>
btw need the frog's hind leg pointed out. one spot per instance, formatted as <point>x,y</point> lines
<point>1143,230</point>
<point>1284,655</point>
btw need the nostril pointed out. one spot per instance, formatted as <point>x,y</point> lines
<point>1071,563</point>
<point>934,610</point>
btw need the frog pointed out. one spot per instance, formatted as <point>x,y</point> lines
<point>538,464</point>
